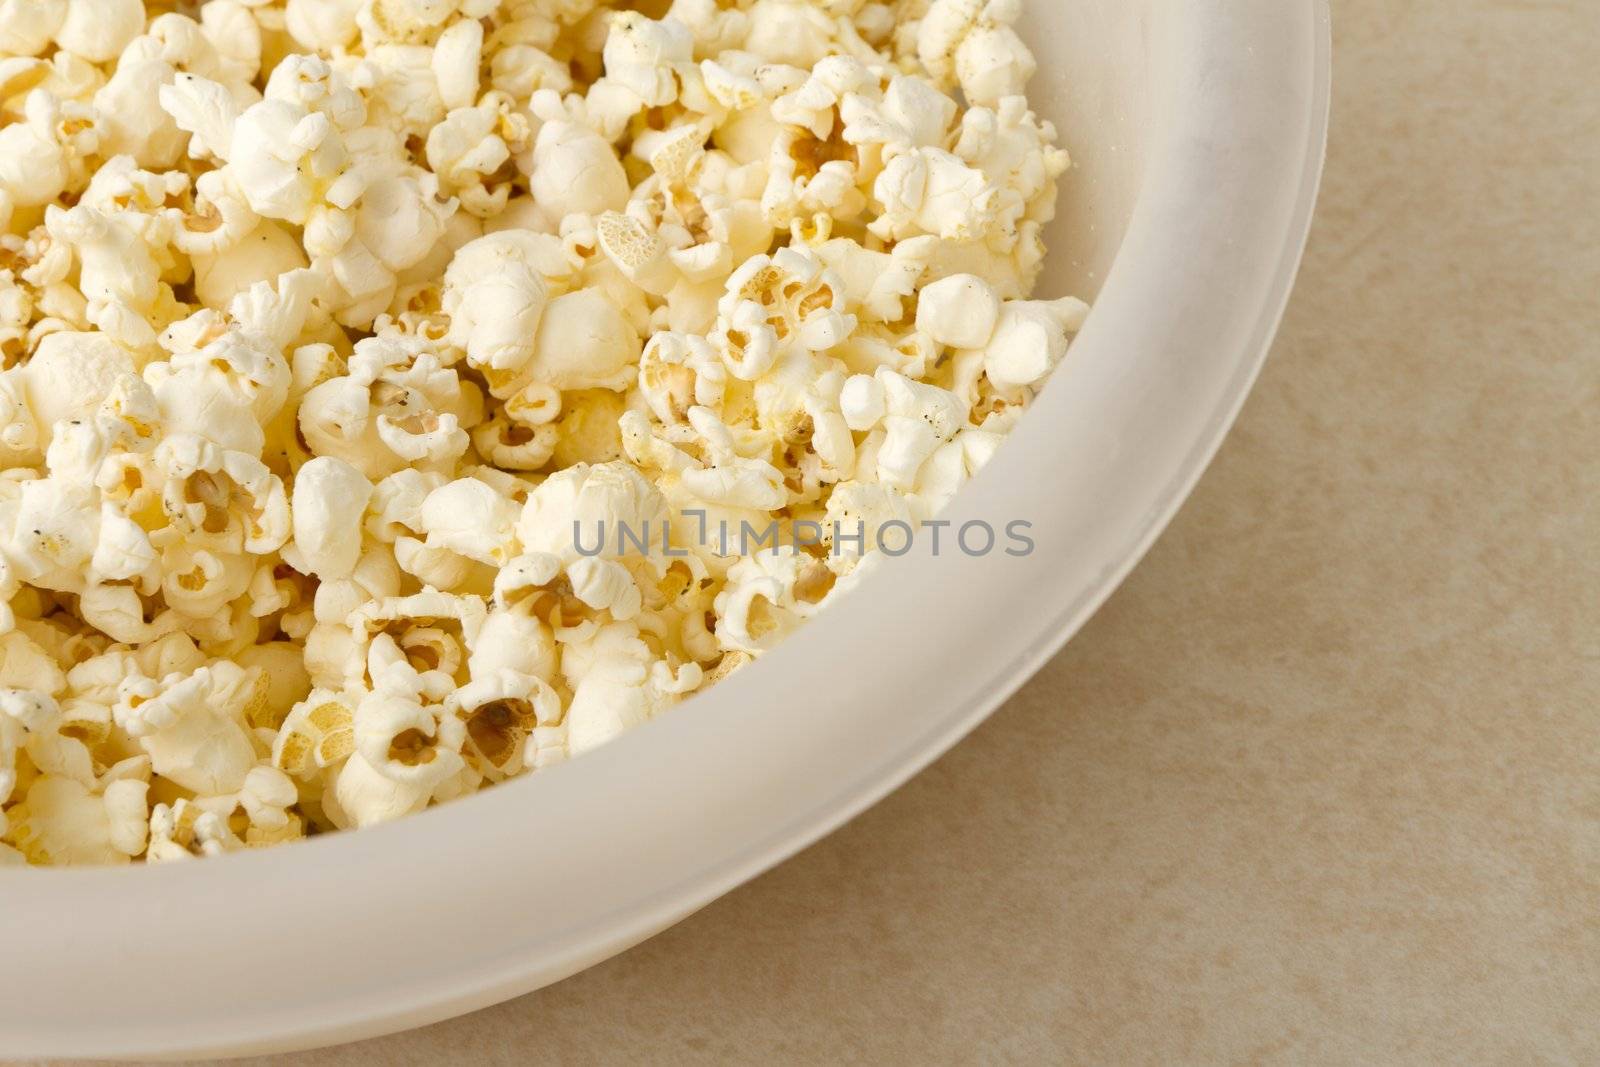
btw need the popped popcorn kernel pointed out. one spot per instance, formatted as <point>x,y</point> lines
<point>390,390</point>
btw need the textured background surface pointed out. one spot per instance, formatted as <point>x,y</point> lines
<point>1322,782</point>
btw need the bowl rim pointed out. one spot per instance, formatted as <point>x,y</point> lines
<point>116,919</point>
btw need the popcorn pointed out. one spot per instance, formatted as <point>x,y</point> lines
<point>878,282</point>
<point>640,255</point>
<point>860,511</point>
<point>572,170</point>
<point>861,402</point>
<point>517,641</point>
<point>470,518</point>
<point>261,255</point>
<point>42,155</point>
<point>98,30</point>
<point>470,148</point>
<point>583,342</point>
<point>27,27</point>
<point>401,740</point>
<point>287,152</point>
<point>185,830</point>
<point>495,294</point>
<point>645,56</point>
<point>232,30</point>
<point>1013,147</point>
<point>767,596</point>
<point>911,113</point>
<point>456,58</point>
<point>398,405</point>
<point>397,396</point>
<point>615,687</point>
<point>680,371</point>
<point>958,311</point>
<point>321,25</point>
<point>192,726</point>
<point>174,55</point>
<point>972,42</point>
<point>1029,339</point>
<point>116,268</point>
<point>70,374</point>
<point>712,28</point>
<point>362,796</point>
<point>62,821</point>
<point>929,190</point>
<point>329,498</point>
<point>220,218</point>
<point>774,303</point>
<point>318,734</point>
<point>500,712</point>
<point>917,418</point>
<point>792,32</point>
<point>403,95</point>
<point>585,505</point>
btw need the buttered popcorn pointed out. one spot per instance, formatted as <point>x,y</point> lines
<point>332,334</point>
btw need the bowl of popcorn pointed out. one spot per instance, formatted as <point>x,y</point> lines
<point>432,430</point>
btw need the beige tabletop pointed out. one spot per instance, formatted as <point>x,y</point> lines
<point>1321,784</point>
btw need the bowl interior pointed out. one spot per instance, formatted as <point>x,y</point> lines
<point>1095,83</point>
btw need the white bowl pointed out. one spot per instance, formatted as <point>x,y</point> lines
<point>1198,128</point>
